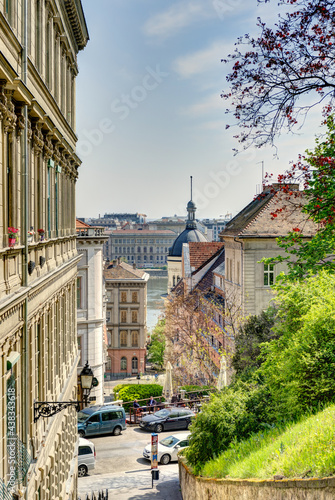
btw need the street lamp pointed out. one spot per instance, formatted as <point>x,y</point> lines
<point>50,408</point>
<point>86,381</point>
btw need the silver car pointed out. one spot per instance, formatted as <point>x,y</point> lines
<point>86,456</point>
<point>168,448</point>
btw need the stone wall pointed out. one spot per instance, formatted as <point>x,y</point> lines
<point>199,488</point>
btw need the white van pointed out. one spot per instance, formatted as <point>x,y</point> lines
<point>86,456</point>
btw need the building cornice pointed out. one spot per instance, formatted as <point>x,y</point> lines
<point>76,17</point>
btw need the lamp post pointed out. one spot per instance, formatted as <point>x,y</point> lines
<point>50,408</point>
<point>86,381</point>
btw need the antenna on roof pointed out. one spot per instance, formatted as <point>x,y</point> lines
<point>260,188</point>
<point>191,187</point>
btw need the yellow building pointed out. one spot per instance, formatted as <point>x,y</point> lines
<point>251,236</point>
<point>39,42</point>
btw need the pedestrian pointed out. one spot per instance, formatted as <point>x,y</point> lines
<point>152,403</point>
<point>156,376</point>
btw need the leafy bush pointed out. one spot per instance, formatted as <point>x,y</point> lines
<point>129,392</point>
<point>233,413</point>
<point>299,367</point>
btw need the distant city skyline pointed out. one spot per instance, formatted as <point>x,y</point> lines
<point>149,111</point>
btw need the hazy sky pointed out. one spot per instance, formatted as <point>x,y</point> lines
<point>149,111</point>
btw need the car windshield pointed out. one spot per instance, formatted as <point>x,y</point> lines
<point>169,441</point>
<point>162,413</point>
<point>83,416</point>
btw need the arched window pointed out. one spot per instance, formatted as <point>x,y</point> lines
<point>138,249</point>
<point>178,278</point>
<point>134,339</point>
<point>109,363</point>
<point>109,338</point>
<point>144,249</point>
<point>174,281</point>
<point>123,363</point>
<point>134,364</point>
<point>151,249</point>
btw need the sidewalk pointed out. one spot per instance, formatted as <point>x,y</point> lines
<point>134,485</point>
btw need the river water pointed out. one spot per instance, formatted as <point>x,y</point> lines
<point>155,304</point>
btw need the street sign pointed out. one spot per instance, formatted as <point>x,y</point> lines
<point>95,382</point>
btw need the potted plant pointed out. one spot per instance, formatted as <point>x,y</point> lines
<point>12,236</point>
<point>41,232</point>
<point>31,235</point>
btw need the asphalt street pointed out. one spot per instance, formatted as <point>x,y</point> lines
<point>121,468</point>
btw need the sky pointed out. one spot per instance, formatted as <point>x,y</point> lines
<point>150,115</point>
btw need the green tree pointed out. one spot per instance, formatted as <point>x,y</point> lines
<point>299,367</point>
<point>255,331</point>
<point>232,414</point>
<point>316,172</point>
<point>156,348</point>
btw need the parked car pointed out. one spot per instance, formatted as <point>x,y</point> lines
<point>86,456</point>
<point>104,419</point>
<point>167,419</point>
<point>168,448</point>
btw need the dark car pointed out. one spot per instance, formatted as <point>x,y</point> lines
<point>167,419</point>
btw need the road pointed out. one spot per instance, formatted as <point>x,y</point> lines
<point>122,470</point>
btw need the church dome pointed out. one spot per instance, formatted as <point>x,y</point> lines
<point>189,234</point>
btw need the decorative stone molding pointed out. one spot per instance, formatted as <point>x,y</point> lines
<point>20,123</point>
<point>29,130</point>
<point>56,152</point>
<point>3,99</point>
<point>9,118</point>
<point>48,148</point>
<point>37,137</point>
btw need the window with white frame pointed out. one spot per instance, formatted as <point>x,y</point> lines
<point>269,274</point>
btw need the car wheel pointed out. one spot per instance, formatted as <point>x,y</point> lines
<point>81,434</point>
<point>188,425</point>
<point>82,470</point>
<point>165,459</point>
<point>117,431</point>
<point>159,428</point>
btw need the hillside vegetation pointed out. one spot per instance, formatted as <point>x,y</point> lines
<point>305,449</point>
<point>285,376</point>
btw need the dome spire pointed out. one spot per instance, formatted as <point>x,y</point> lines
<point>191,208</point>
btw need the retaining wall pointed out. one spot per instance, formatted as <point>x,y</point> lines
<point>199,488</point>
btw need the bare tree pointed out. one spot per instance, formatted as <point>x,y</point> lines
<point>271,74</point>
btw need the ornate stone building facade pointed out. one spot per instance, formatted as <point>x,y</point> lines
<point>91,316</point>
<point>126,315</point>
<point>39,42</point>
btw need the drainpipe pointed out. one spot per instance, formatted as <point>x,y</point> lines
<point>241,243</point>
<point>25,167</point>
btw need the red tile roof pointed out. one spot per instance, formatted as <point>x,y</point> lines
<point>201,252</point>
<point>256,219</point>
<point>122,271</point>
<point>80,224</point>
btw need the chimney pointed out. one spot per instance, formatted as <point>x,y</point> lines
<point>134,265</point>
<point>119,260</point>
